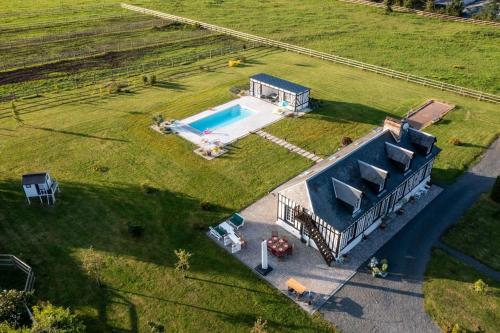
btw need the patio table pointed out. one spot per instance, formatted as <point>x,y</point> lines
<point>278,246</point>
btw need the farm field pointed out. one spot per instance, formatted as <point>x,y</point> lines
<point>405,42</point>
<point>104,155</point>
<point>450,299</point>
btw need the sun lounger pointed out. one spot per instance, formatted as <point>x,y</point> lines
<point>218,232</point>
<point>236,221</point>
<point>295,287</point>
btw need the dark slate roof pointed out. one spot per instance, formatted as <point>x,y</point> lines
<point>421,139</point>
<point>372,174</point>
<point>280,83</point>
<point>34,178</point>
<point>398,154</point>
<point>320,189</point>
<point>346,193</point>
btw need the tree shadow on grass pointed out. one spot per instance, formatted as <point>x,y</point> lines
<point>170,85</point>
<point>344,112</point>
<point>89,136</point>
<point>97,215</point>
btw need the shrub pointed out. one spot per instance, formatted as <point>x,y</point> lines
<point>495,192</point>
<point>148,189</point>
<point>346,141</point>
<point>93,264</point>
<point>55,319</point>
<point>206,206</point>
<point>455,141</point>
<point>135,230</point>
<point>12,309</point>
<point>144,79</point>
<point>158,119</point>
<point>234,63</point>
<point>152,79</point>
<point>480,286</point>
<point>259,326</point>
<point>182,264</point>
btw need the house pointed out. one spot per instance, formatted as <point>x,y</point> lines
<point>280,92</point>
<point>40,185</point>
<point>334,207</point>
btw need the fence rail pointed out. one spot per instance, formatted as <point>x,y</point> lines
<point>10,260</point>
<point>324,56</point>
<point>426,14</point>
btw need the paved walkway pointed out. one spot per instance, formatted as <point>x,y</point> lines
<point>468,260</point>
<point>395,304</point>
<point>289,146</point>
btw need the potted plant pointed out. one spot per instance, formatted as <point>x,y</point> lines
<point>379,268</point>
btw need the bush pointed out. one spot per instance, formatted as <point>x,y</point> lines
<point>346,141</point>
<point>55,319</point>
<point>152,79</point>
<point>455,141</point>
<point>148,189</point>
<point>12,309</point>
<point>495,192</point>
<point>135,230</point>
<point>158,119</point>
<point>206,206</point>
<point>480,286</point>
<point>144,79</point>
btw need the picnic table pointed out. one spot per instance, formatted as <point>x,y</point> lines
<point>278,246</point>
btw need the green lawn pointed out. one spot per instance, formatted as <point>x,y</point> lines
<point>450,299</point>
<point>74,140</point>
<point>478,232</point>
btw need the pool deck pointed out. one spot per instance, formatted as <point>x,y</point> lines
<point>263,116</point>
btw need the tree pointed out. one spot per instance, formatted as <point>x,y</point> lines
<point>388,5</point>
<point>429,5</point>
<point>455,8</point>
<point>55,319</point>
<point>490,11</point>
<point>182,264</point>
<point>495,192</point>
<point>93,264</point>
<point>259,326</point>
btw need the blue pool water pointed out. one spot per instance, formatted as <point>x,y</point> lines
<point>221,118</point>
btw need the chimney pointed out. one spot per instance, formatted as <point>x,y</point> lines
<point>395,126</point>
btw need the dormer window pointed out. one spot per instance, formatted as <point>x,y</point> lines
<point>399,156</point>
<point>422,141</point>
<point>347,194</point>
<point>376,177</point>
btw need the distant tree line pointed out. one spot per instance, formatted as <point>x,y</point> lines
<point>490,11</point>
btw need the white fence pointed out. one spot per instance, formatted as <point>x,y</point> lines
<point>325,56</point>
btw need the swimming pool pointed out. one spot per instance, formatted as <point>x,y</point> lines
<point>221,118</point>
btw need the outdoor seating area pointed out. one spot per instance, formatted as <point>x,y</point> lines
<point>279,246</point>
<point>227,232</point>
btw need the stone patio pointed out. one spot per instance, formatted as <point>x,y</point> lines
<point>306,264</point>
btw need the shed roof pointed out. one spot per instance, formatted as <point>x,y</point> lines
<point>34,178</point>
<point>280,83</point>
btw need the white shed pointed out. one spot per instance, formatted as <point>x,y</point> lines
<point>40,185</point>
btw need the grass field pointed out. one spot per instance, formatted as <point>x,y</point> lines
<point>478,233</point>
<point>74,140</point>
<point>406,42</point>
<point>450,299</point>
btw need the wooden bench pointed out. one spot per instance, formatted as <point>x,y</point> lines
<point>295,287</point>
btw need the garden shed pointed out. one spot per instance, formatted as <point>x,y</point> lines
<point>280,92</point>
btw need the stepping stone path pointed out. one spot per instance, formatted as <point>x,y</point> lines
<point>289,146</point>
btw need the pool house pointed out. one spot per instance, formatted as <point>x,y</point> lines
<point>280,92</point>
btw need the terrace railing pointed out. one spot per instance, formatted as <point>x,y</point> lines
<point>324,56</point>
